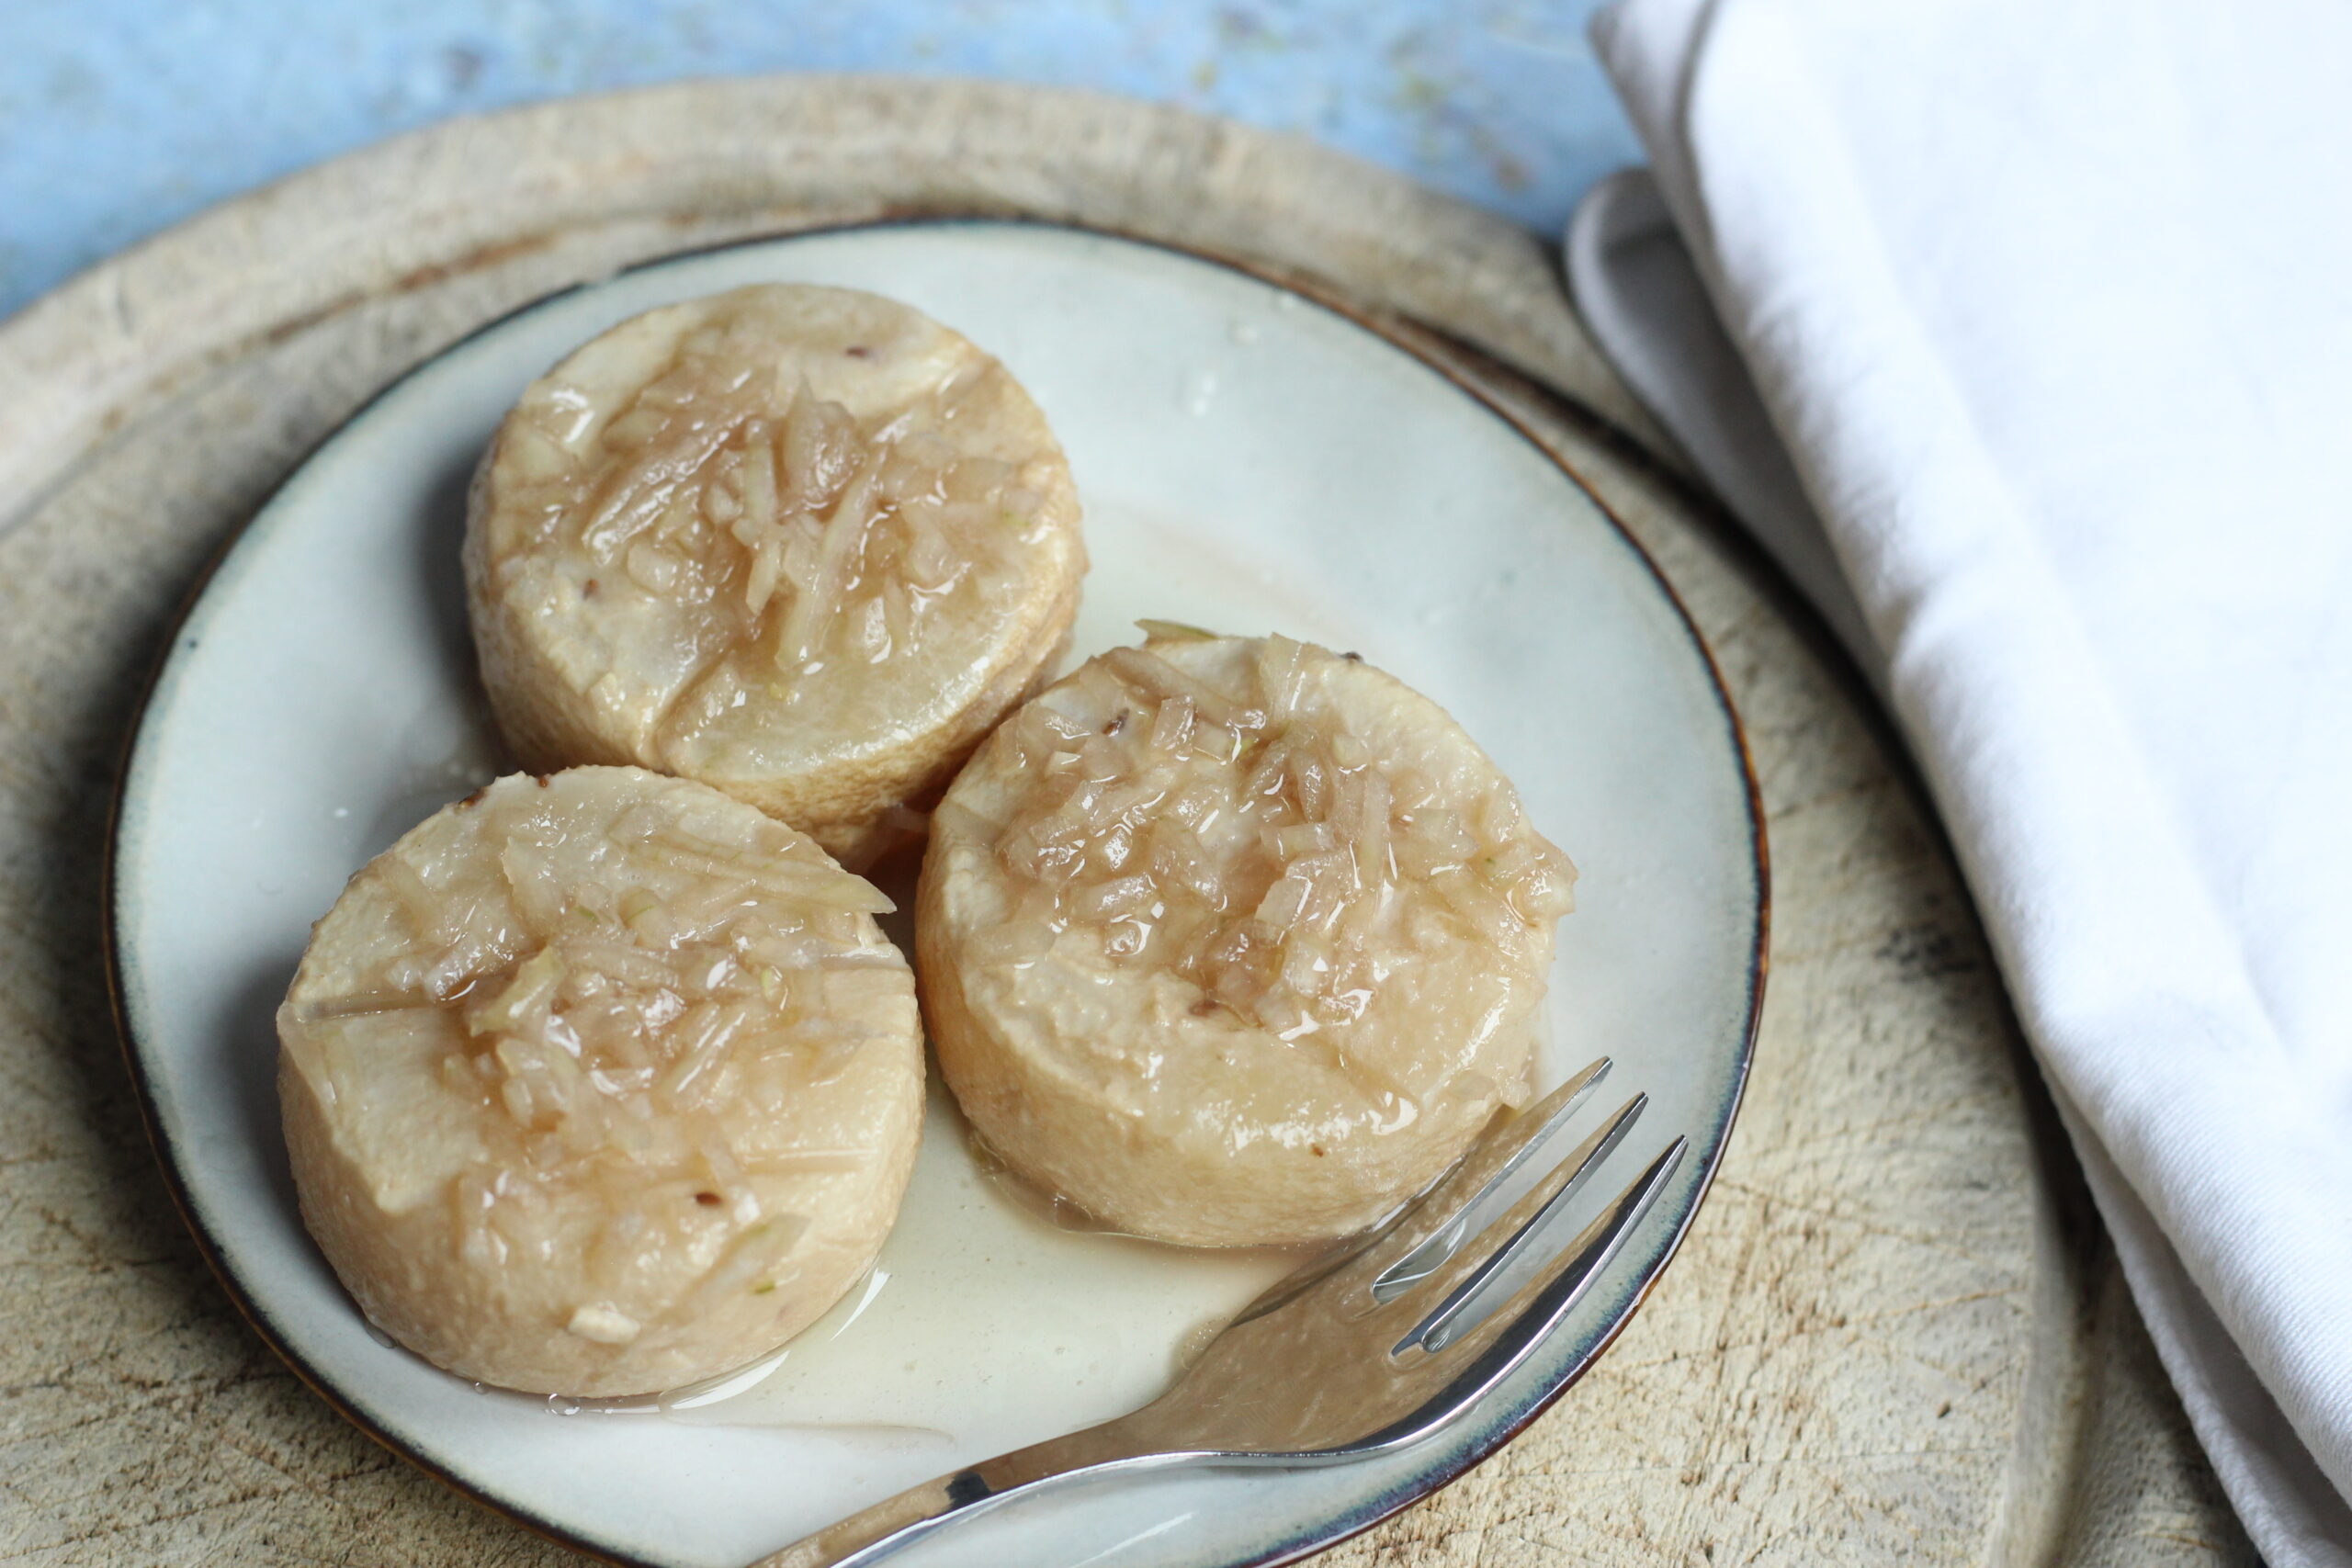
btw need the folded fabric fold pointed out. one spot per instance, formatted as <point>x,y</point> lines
<point>2046,309</point>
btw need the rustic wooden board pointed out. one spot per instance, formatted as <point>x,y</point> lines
<point>1895,1332</point>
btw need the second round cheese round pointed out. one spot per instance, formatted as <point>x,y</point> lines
<point>1234,940</point>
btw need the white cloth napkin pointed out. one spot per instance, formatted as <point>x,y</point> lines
<point>2050,303</point>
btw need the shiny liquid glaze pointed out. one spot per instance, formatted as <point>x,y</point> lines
<point>985,1318</point>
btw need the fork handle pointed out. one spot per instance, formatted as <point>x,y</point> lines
<point>867,1536</point>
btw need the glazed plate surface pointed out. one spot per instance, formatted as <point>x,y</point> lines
<point>1251,461</point>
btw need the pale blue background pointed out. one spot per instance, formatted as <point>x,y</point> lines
<point>120,116</point>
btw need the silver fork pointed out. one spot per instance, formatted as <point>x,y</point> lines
<point>1348,1357</point>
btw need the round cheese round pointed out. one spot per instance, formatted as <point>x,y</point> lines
<point>600,1083</point>
<point>802,544</point>
<point>1234,940</point>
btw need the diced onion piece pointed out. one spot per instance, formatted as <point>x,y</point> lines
<point>1172,724</point>
<point>1173,631</point>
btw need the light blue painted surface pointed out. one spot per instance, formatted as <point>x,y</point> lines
<point>121,117</point>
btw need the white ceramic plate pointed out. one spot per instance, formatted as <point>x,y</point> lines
<point>1249,461</point>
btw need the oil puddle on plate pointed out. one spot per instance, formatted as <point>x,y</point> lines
<point>985,1322</point>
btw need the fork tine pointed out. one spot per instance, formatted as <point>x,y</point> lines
<point>1433,1229</point>
<point>1511,1236</point>
<point>1530,1314</point>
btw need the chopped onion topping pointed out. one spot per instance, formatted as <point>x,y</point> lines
<point>773,517</point>
<point>603,1027</point>
<point>1246,841</point>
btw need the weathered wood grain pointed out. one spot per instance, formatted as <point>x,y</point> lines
<point>1894,1333</point>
